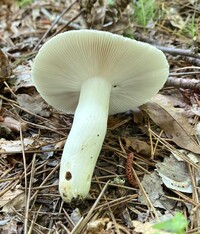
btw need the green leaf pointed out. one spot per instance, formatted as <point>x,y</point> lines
<point>23,3</point>
<point>111,2</point>
<point>175,225</point>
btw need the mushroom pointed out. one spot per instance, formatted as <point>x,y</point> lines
<point>93,74</point>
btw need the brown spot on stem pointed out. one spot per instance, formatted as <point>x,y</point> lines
<point>68,175</point>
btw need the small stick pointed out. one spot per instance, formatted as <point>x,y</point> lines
<point>54,23</point>
<point>28,197</point>
<point>177,51</point>
<point>192,84</point>
<point>66,25</point>
<point>194,61</point>
<point>171,50</point>
<point>25,182</point>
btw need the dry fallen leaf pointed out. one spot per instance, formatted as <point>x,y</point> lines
<point>97,226</point>
<point>173,121</point>
<point>76,216</point>
<point>10,228</point>
<point>175,18</point>
<point>13,146</point>
<point>22,77</point>
<point>100,226</point>
<point>60,144</point>
<point>145,228</point>
<point>152,184</point>
<point>12,198</point>
<point>195,158</point>
<point>196,110</point>
<point>5,68</point>
<point>13,124</point>
<point>198,131</point>
<point>34,104</point>
<point>177,176</point>
<point>139,146</point>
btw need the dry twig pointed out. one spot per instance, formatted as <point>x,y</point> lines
<point>192,84</point>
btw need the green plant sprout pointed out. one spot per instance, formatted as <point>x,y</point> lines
<point>110,2</point>
<point>177,224</point>
<point>144,11</point>
<point>23,3</point>
<point>191,27</point>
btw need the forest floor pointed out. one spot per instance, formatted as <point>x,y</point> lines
<point>163,135</point>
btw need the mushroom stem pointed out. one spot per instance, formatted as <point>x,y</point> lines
<point>85,140</point>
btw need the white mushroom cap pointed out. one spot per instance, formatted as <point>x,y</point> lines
<point>136,70</point>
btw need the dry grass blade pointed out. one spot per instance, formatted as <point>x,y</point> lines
<point>117,202</point>
<point>54,23</point>
<point>196,216</point>
<point>151,207</point>
<point>29,196</point>
<point>26,184</point>
<point>172,149</point>
<point>44,181</point>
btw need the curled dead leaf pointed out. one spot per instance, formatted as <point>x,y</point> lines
<point>152,183</point>
<point>138,146</point>
<point>97,226</point>
<point>10,227</point>
<point>76,216</point>
<point>14,146</point>
<point>12,198</point>
<point>60,144</point>
<point>173,121</point>
<point>34,104</point>
<point>177,176</point>
<point>13,124</point>
<point>175,18</point>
